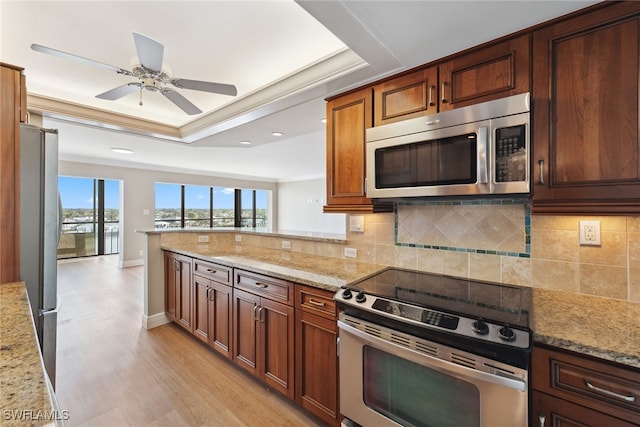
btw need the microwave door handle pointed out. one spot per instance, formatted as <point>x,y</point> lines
<point>483,155</point>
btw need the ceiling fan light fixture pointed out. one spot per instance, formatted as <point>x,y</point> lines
<point>277,133</point>
<point>245,142</point>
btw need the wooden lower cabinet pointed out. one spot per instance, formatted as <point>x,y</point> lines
<point>317,353</point>
<point>574,390</point>
<point>263,334</point>
<point>212,303</point>
<point>177,274</point>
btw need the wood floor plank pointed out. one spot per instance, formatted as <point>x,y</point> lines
<point>112,372</point>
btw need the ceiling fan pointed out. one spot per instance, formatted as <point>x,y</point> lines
<point>150,75</point>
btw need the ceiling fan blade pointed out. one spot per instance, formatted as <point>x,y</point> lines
<point>183,103</point>
<point>221,88</point>
<point>150,52</point>
<point>119,92</point>
<point>72,57</point>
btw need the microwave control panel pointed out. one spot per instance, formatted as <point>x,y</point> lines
<point>511,154</point>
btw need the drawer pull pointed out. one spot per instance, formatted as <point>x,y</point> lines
<point>317,303</point>
<point>609,393</point>
<point>260,285</point>
<point>542,420</point>
<point>211,270</point>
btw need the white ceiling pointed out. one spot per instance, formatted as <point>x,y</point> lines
<point>284,57</point>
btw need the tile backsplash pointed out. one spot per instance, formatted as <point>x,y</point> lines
<point>544,253</point>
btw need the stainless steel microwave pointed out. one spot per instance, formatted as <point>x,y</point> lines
<point>482,149</point>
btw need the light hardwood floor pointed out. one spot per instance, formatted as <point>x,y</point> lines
<point>112,372</point>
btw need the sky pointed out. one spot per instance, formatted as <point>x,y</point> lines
<point>78,193</point>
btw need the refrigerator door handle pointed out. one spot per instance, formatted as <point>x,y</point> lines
<point>60,217</point>
<point>48,312</point>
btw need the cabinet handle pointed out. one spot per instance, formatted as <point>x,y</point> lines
<point>542,419</point>
<point>260,285</point>
<point>444,99</point>
<point>431,103</point>
<point>210,294</point>
<point>255,314</point>
<point>317,303</point>
<point>211,270</point>
<point>609,393</point>
<point>541,164</point>
<point>260,317</point>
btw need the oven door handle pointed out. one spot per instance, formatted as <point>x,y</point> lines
<point>434,363</point>
<point>484,155</point>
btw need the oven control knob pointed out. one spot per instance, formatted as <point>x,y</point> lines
<point>506,333</point>
<point>479,327</point>
<point>346,294</point>
<point>361,297</point>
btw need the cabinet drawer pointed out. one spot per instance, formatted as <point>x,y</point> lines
<point>317,301</point>
<point>607,388</point>
<point>269,287</point>
<point>219,273</point>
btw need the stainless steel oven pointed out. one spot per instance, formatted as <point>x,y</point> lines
<point>418,349</point>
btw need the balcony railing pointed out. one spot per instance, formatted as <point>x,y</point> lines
<point>80,239</point>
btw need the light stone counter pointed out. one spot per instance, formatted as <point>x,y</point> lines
<point>321,272</point>
<point>25,396</point>
<point>605,328</point>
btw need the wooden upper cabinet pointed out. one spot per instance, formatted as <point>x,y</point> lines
<point>496,71</point>
<point>347,118</point>
<point>585,113</point>
<point>405,97</point>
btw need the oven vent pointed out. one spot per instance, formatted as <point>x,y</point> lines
<point>463,360</point>
<point>372,330</point>
<point>427,349</point>
<point>400,340</point>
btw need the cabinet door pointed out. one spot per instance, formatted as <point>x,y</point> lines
<point>549,411</point>
<point>276,345</point>
<point>201,323</point>
<point>347,118</point>
<point>245,339</point>
<point>184,290</point>
<point>404,97</point>
<point>220,321</point>
<point>317,365</point>
<point>585,111</point>
<point>499,70</point>
<point>170,279</point>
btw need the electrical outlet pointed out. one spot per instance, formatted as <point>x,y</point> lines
<point>238,237</point>
<point>286,244</point>
<point>203,239</point>
<point>350,252</point>
<point>589,233</point>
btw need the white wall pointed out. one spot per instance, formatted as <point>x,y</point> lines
<point>300,208</point>
<point>138,195</point>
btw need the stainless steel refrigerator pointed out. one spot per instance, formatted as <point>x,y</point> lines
<point>39,233</point>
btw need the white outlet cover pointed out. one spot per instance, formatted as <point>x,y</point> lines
<point>350,252</point>
<point>238,238</point>
<point>589,232</point>
<point>203,239</point>
<point>356,223</point>
<point>286,244</point>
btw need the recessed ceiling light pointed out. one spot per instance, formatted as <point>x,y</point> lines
<point>122,150</point>
<point>245,142</point>
<point>323,120</point>
<point>276,133</point>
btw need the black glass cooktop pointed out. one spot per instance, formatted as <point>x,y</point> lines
<point>508,304</point>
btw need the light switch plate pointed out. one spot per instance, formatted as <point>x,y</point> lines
<point>356,223</point>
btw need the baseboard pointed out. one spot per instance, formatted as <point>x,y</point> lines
<point>153,321</point>
<point>131,263</point>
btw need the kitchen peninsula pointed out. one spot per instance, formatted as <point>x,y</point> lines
<point>598,330</point>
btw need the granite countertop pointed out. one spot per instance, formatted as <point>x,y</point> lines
<point>259,231</point>
<point>25,396</point>
<point>604,328</point>
<point>321,272</point>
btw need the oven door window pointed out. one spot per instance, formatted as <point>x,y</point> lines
<point>414,395</point>
<point>443,161</point>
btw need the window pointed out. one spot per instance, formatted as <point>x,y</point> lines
<point>90,217</point>
<point>185,206</point>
